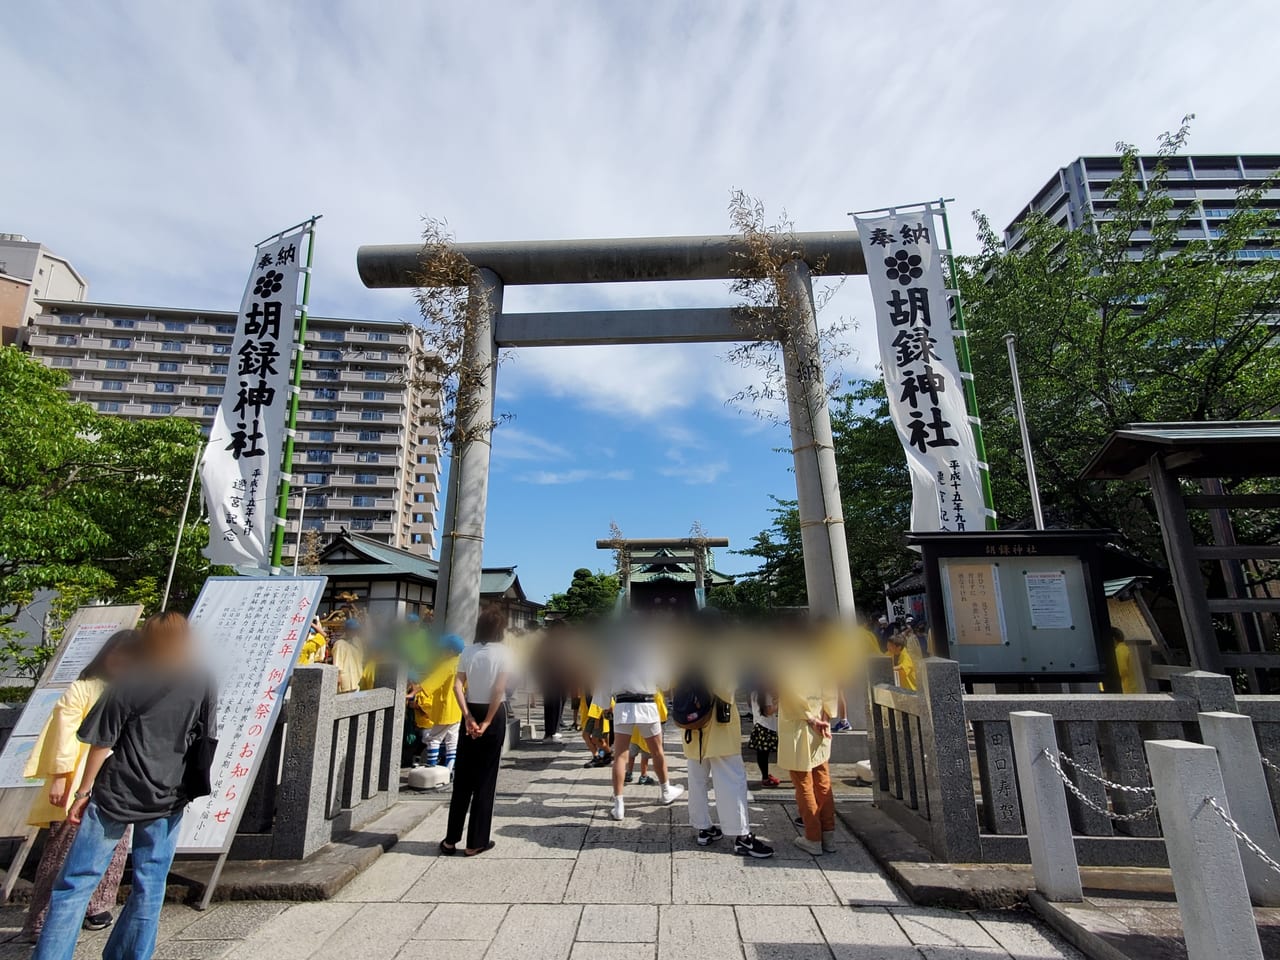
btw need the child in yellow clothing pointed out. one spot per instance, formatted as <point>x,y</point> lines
<point>436,707</point>
<point>315,649</point>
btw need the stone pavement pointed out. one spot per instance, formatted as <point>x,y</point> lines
<point>566,883</point>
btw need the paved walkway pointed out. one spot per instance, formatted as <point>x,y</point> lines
<point>566,883</point>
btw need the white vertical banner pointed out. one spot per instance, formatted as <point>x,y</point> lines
<point>240,470</point>
<point>921,375</point>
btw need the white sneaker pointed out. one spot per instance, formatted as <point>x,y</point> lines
<point>813,847</point>
<point>616,812</point>
<point>828,841</point>
<point>671,793</point>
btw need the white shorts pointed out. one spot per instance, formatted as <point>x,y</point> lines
<point>626,714</point>
<point>633,730</point>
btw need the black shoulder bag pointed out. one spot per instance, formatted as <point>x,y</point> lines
<point>198,760</point>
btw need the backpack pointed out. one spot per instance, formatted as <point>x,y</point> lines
<point>692,704</point>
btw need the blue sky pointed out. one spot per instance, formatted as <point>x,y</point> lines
<point>153,144</point>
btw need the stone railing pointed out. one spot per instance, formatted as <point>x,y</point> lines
<point>336,760</point>
<point>944,763</point>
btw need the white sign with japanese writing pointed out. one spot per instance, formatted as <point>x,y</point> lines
<point>241,466</point>
<point>250,630</point>
<point>1048,600</point>
<point>921,374</point>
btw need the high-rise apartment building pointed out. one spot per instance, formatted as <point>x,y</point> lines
<point>30,271</point>
<point>366,448</point>
<point>1208,183</point>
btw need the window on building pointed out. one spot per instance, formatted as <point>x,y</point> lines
<point>120,344</point>
<point>323,436</point>
<point>319,456</point>
<point>362,500</point>
<point>375,395</point>
<point>68,319</point>
<point>366,478</point>
<point>361,523</point>
<point>165,366</point>
<point>367,456</point>
<point>316,500</point>
<point>174,326</point>
<point>419,498</point>
<point>60,362</point>
<point>112,384</point>
<point>165,386</point>
<point>370,414</point>
<point>218,368</point>
<point>313,523</point>
<point>123,324</point>
<point>315,479</point>
<point>325,373</point>
<point>420,478</point>
<point>209,411</point>
<point>375,375</point>
<point>214,390</point>
<point>417,538</point>
<point>66,340</point>
<point>164,408</point>
<point>424,459</point>
<point>419,518</point>
<point>172,346</point>
<point>225,328</point>
<point>221,349</point>
<point>333,336</point>
<point>324,415</point>
<point>115,364</point>
<point>108,406</point>
<point>329,354</point>
<point>373,435</point>
<point>379,337</point>
<point>325,393</point>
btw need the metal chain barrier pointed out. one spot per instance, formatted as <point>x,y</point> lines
<point>1272,766</point>
<point>1243,837</point>
<point>1144,813</point>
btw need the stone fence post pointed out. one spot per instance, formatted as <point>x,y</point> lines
<point>1208,878</point>
<point>303,795</point>
<point>1231,734</point>
<point>953,812</point>
<point>1044,802</point>
<point>1212,691</point>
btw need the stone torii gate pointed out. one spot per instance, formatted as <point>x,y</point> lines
<point>498,265</point>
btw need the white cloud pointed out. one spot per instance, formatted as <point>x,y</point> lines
<point>553,477</point>
<point>700,473</point>
<point>512,443</point>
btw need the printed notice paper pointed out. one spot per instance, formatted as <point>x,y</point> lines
<point>1048,600</point>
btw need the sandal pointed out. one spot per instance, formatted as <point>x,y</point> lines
<point>475,853</point>
<point>447,851</point>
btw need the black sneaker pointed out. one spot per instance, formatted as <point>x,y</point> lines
<point>98,921</point>
<point>799,821</point>
<point>750,846</point>
<point>709,836</point>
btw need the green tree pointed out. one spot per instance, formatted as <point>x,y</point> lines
<point>747,598</point>
<point>89,504</point>
<point>589,596</point>
<point>1181,330</point>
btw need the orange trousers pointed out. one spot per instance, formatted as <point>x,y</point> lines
<point>816,801</point>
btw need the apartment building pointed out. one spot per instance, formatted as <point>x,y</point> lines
<point>366,449</point>
<point>28,272</point>
<point>1077,193</point>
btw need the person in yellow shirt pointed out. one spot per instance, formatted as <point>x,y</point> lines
<point>1126,664</point>
<point>59,757</point>
<point>904,664</point>
<point>805,707</point>
<point>436,707</point>
<point>348,656</point>
<point>315,649</point>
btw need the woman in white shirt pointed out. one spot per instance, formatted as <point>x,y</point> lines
<point>480,687</point>
<point>764,735</point>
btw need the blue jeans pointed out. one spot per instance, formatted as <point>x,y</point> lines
<point>133,937</point>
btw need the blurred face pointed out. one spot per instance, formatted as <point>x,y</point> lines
<point>117,662</point>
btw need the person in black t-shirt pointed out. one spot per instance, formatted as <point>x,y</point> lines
<point>139,733</point>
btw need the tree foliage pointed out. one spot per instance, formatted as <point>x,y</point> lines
<point>89,504</point>
<point>1131,318</point>
<point>590,595</point>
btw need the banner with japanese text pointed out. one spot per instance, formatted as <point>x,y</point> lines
<point>240,469</point>
<point>250,630</point>
<point>921,374</point>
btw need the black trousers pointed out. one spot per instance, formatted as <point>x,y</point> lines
<point>475,779</point>
<point>552,710</point>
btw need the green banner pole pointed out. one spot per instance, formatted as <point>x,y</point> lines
<point>966,369</point>
<point>295,392</point>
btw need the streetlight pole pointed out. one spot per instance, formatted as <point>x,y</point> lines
<point>182,524</point>
<point>1009,339</point>
<point>302,513</point>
